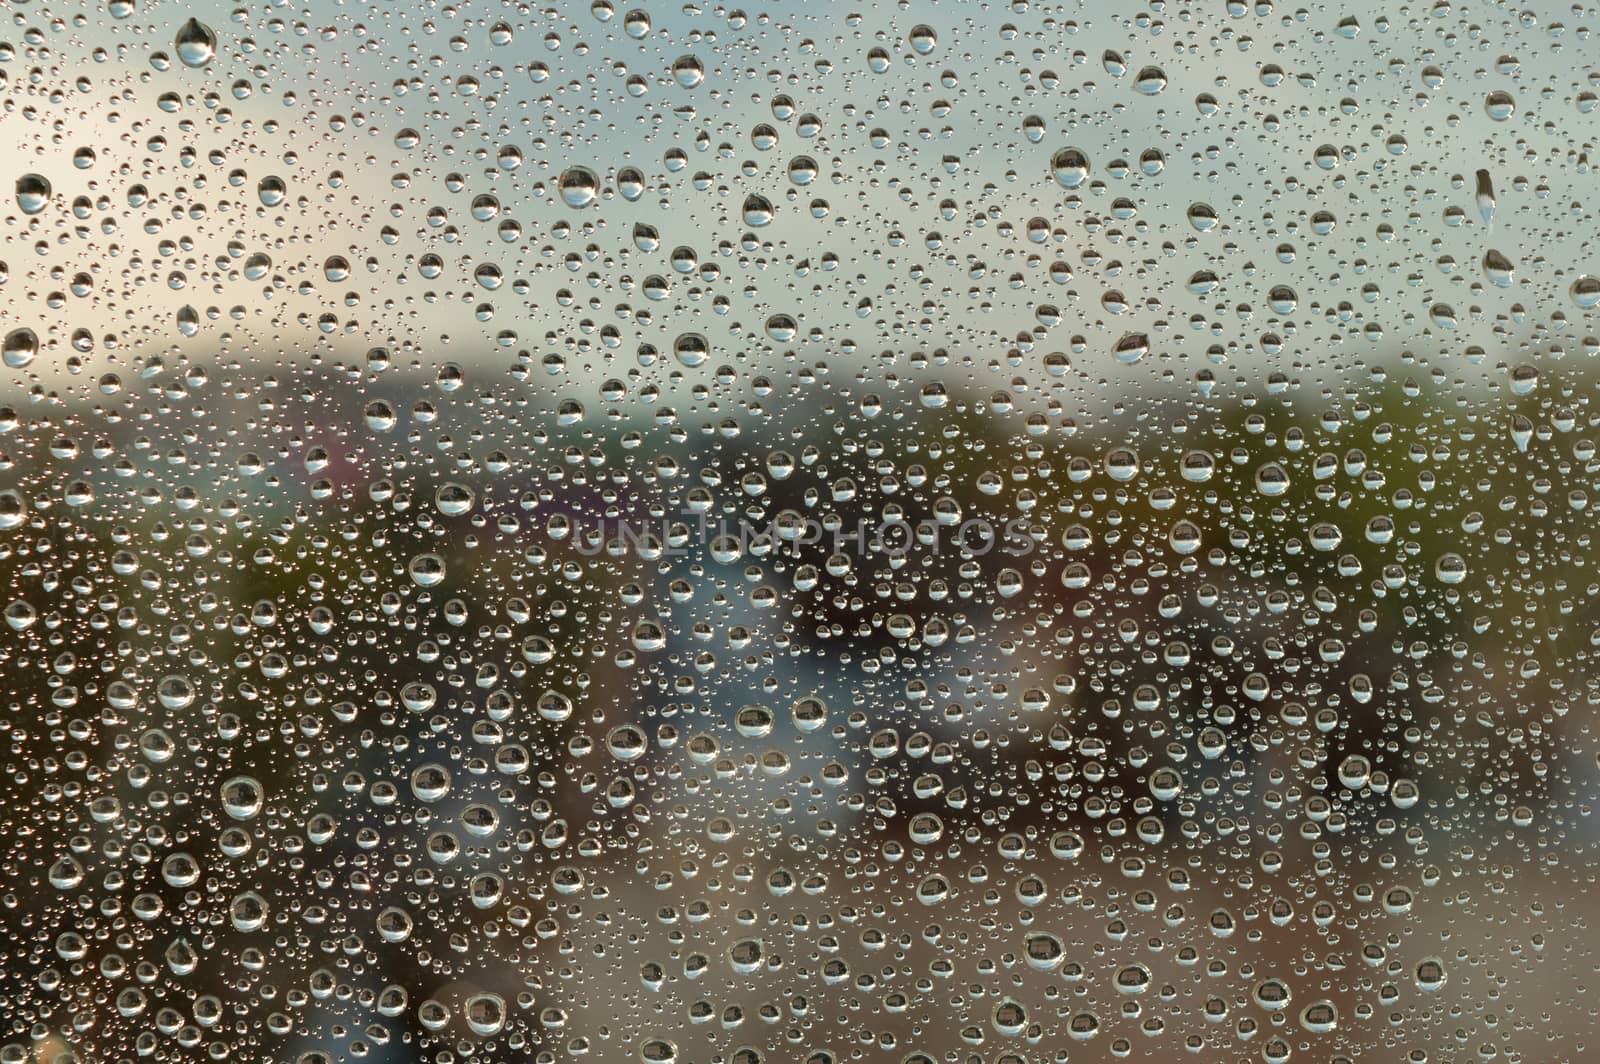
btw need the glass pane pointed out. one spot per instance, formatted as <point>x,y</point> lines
<point>973,533</point>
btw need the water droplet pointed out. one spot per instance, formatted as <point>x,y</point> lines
<point>195,44</point>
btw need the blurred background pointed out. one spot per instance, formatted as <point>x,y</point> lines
<point>444,458</point>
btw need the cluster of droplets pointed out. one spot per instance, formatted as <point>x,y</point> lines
<point>942,534</point>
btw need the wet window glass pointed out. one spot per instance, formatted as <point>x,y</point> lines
<point>914,532</point>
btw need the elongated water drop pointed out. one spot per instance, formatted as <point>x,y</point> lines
<point>195,43</point>
<point>1485,197</point>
